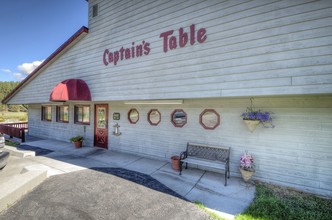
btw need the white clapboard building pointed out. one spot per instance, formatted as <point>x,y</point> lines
<point>172,72</point>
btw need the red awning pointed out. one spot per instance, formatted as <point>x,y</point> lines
<point>71,89</point>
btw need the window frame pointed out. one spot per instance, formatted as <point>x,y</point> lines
<point>176,124</point>
<point>43,108</point>
<point>76,119</point>
<point>201,119</point>
<point>149,119</point>
<point>95,10</point>
<point>58,111</point>
<point>129,119</point>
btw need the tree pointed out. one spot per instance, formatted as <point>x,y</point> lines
<point>5,89</point>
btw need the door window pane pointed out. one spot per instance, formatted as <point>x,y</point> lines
<point>101,117</point>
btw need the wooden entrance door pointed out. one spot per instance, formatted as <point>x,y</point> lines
<point>101,126</point>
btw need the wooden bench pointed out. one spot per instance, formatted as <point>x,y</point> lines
<point>208,156</point>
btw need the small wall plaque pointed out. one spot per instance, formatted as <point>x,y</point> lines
<point>116,116</point>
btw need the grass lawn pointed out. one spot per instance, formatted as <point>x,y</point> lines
<point>272,202</point>
<point>13,116</point>
<point>11,143</point>
<point>280,203</point>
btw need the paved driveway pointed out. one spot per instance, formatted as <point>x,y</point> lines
<point>99,194</point>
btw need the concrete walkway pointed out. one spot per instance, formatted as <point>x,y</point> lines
<point>194,184</point>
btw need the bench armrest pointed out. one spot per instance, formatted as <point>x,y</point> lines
<point>183,155</point>
<point>227,160</point>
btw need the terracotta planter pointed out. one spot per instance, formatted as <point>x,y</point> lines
<point>175,162</point>
<point>246,175</point>
<point>251,124</point>
<point>78,144</point>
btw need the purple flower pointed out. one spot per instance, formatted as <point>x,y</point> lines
<point>264,117</point>
<point>247,162</point>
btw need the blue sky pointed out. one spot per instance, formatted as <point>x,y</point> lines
<point>31,30</point>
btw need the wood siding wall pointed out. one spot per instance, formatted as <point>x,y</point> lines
<point>296,153</point>
<point>253,48</point>
<point>271,50</point>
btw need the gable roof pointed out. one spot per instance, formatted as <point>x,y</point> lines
<point>62,49</point>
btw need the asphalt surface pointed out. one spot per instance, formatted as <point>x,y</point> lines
<point>38,151</point>
<point>103,193</point>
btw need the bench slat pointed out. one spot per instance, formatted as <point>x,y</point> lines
<point>211,146</point>
<point>207,163</point>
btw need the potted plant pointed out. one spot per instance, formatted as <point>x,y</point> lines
<point>175,162</point>
<point>77,140</point>
<point>254,117</point>
<point>247,166</point>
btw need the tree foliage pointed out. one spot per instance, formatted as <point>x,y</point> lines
<point>5,89</point>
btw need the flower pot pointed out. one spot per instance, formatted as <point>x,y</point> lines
<point>175,162</point>
<point>246,175</point>
<point>78,144</point>
<point>251,124</point>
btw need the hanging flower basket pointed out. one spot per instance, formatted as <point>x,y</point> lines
<point>251,124</point>
<point>253,117</point>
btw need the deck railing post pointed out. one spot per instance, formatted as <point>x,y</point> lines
<point>23,134</point>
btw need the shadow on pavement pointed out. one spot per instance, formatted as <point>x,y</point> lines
<point>139,178</point>
<point>38,151</point>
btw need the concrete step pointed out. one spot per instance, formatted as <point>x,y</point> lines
<point>19,153</point>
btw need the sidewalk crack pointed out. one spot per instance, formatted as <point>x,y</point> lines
<point>195,184</point>
<point>159,168</point>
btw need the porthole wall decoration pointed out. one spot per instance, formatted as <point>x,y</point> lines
<point>209,119</point>
<point>179,118</point>
<point>154,117</point>
<point>133,116</point>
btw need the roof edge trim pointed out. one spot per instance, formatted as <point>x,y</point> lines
<point>65,45</point>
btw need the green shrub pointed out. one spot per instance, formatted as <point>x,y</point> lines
<point>273,202</point>
<point>76,138</point>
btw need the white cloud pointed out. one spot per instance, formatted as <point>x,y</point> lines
<point>6,70</point>
<point>28,68</point>
<point>19,76</point>
<point>24,70</point>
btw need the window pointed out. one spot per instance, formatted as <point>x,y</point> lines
<point>46,113</point>
<point>179,118</point>
<point>209,119</point>
<point>82,114</point>
<point>62,113</point>
<point>133,116</point>
<point>95,10</point>
<point>154,117</point>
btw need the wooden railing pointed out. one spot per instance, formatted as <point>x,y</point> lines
<point>14,129</point>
